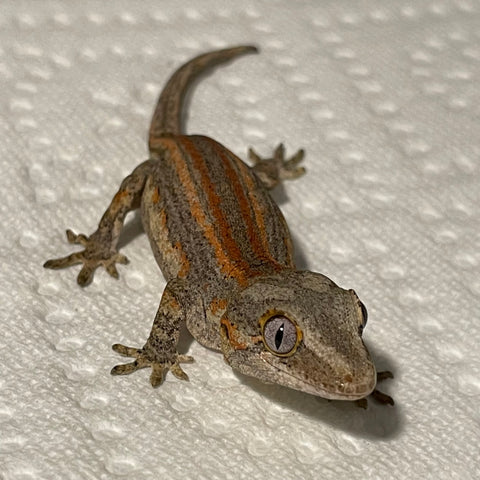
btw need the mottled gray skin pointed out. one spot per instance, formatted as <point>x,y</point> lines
<point>225,251</point>
<point>331,361</point>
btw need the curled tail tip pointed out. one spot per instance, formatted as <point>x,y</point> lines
<point>248,49</point>
<point>252,48</point>
<point>239,50</point>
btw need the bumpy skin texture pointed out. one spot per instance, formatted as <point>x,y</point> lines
<point>226,253</point>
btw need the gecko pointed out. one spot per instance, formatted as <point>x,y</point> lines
<point>226,253</point>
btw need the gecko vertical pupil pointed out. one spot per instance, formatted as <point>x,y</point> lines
<point>280,335</point>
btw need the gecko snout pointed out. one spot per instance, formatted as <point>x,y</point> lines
<point>350,384</point>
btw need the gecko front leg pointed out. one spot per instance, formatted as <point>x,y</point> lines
<point>101,246</point>
<point>160,350</point>
<point>271,171</point>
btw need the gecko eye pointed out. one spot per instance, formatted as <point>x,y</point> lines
<point>364,318</point>
<point>364,314</point>
<point>281,335</point>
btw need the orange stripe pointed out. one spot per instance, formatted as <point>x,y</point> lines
<point>259,212</point>
<point>257,209</point>
<point>230,246</point>
<point>255,225</point>
<point>226,262</point>
<point>185,268</point>
<point>156,195</point>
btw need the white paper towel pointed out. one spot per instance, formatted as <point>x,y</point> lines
<point>384,97</point>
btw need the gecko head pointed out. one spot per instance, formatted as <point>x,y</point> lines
<point>300,330</point>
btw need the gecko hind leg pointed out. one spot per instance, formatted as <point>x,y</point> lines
<point>271,171</point>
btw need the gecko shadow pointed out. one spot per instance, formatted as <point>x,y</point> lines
<point>381,422</point>
<point>376,423</point>
<point>132,229</point>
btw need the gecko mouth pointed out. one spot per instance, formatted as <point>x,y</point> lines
<point>324,381</point>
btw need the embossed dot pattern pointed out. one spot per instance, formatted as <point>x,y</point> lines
<point>383,95</point>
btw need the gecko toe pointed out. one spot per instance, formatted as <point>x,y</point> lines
<point>53,264</point>
<point>185,359</point>
<point>126,368</point>
<point>279,152</point>
<point>158,374</point>
<point>382,398</point>
<point>176,369</point>
<point>85,276</point>
<point>294,160</point>
<point>253,156</point>
<point>125,351</point>
<point>362,403</point>
<point>112,270</point>
<point>76,239</point>
<point>57,263</point>
<point>384,375</point>
<point>120,258</point>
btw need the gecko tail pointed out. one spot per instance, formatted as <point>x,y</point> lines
<point>167,117</point>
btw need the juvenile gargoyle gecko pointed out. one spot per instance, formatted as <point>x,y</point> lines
<point>226,253</point>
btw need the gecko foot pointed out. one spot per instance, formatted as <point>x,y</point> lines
<point>97,252</point>
<point>144,359</point>
<point>380,397</point>
<point>377,395</point>
<point>273,170</point>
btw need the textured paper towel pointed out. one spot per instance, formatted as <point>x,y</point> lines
<point>384,97</point>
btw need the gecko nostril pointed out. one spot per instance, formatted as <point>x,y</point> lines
<point>348,378</point>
